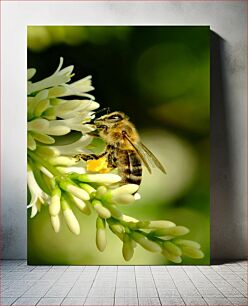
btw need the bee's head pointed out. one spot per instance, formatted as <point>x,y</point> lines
<point>109,120</point>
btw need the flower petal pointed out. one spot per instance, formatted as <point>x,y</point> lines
<point>41,107</point>
<point>75,147</point>
<point>58,78</point>
<point>31,142</point>
<point>43,138</point>
<point>31,72</point>
<point>38,125</point>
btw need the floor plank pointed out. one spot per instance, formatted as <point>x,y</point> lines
<point>123,285</point>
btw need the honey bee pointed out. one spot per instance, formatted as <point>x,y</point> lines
<point>123,150</point>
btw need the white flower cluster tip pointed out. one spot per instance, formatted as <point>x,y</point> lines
<point>50,115</point>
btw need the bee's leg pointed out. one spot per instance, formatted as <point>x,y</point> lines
<point>86,157</point>
<point>94,134</point>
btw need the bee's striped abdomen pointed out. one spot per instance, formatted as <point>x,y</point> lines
<point>129,166</point>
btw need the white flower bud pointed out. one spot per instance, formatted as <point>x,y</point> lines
<point>76,191</point>
<point>55,223</point>
<point>171,257</point>
<point>129,188</point>
<point>146,243</point>
<point>62,161</point>
<point>101,239</point>
<point>100,191</point>
<point>192,252</point>
<point>129,219</point>
<point>102,211</point>
<point>172,248</point>
<point>189,243</point>
<point>118,230</point>
<point>127,248</point>
<point>123,198</point>
<point>160,224</point>
<point>71,221</point>
<point>101,178</point>
<point>54,207</point>
<point>172,231</point>
<point>81,205</point>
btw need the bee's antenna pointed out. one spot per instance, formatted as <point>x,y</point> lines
<point>102,110</point>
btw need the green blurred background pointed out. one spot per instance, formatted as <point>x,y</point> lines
<point>160,77</point>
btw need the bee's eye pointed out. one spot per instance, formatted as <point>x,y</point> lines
<point>102,127</point>
<point>115,117</point>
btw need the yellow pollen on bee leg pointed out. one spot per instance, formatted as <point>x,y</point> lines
<point>98,165</point>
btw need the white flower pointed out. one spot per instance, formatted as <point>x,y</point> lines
<point>81,205</point>
<point>38,196</point>
<point>70,218</point>
<point>79,88</point>
<point>49,116</point>
<point>76,124</point>
<point>146,243</point>
<point>55,223</point>
<point>105,178</point>
<point>71,221</point>
<point>172,231</point>
<point>102,211</point>
<point>101,239</point>
<point>125,189</point>
<point>62,161</point>
<point>76,191</point>
<point>127,249</point>
<point>67,169</point>
<point>30,73</point>
<point>57,78</point>
<point>69,109</point>
<point>54,207</point>
<point>122,195</point>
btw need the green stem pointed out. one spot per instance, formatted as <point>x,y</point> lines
<point>130,229</point>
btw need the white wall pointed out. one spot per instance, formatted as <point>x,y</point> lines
<point>228,103</point>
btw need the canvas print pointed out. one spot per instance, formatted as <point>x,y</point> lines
<point>118,145</point>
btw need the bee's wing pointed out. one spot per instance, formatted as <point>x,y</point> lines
<point>138,151</point>
<point>152,157</point>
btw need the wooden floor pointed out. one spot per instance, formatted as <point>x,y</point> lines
<point>123,285</point>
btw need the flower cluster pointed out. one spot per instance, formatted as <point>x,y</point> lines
<point>50,114</point>
<point>58,180</point>
<point>158,236</point>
